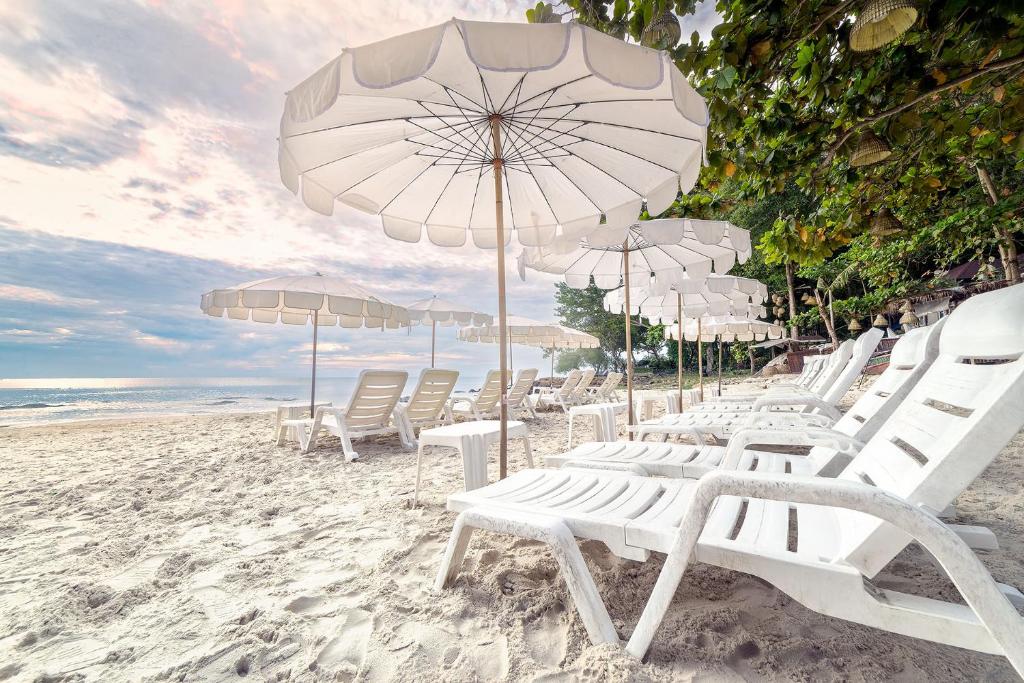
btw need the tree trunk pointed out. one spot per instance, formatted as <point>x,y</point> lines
<point>794,332</point>
<point>750,353</point>
<point>826,319</point>
<point>1007,247</point>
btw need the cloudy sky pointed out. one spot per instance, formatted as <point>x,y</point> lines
<point>138,169</point>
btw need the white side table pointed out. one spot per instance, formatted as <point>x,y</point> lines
<point>294,411</point>
<point>604,415</point>
<point>471,439</point>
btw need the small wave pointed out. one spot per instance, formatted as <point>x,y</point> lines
<point>33,406</point>
<point>221,403</point>
<point>283,400</point>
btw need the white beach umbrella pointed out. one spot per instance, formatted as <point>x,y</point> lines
<point>444,313</point>
<point>302,299</point>
<point>529,332</point>
<point>484,129</point>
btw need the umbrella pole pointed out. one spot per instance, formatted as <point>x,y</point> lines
<point>433,341</point>
<point>552,366</point>
<point>679,347</point>
<point>499,220</point>
<point>312,385</point>
<point>719,365</point>
<point>629,341</point>
<point>700,361</point>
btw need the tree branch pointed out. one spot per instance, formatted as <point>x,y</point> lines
<point>948,85</point>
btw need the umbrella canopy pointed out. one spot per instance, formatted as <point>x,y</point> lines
<point>729,328</point>
<point>445,313</point>
<point>301,299</point>
<point>718,295</point>
<point>664,251</point>
<point>475,130</point>
<point>529,332</point>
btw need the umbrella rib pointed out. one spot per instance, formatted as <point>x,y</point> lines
<point>617,100</point>
<point>472,146</point>
<point>482,110</point>
<point>389,119</point>
<point>482,150</point>
<point>552,90</point>
<point>623,126</point>
<point>512,115</point>
<point>580,138</point>
<point>441,193</point>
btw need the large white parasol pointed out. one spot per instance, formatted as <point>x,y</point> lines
<point>529,332</point>
<point>299,300</point>
<point>482,129</point>
<point>444,313</point>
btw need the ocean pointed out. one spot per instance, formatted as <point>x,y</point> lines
<point>45,401</point>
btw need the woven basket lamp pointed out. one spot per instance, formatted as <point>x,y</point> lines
<point>870,150</point>
<point>880,23</point>
<point>880,321</point>
<point>662,33</point>
<point>884,224</point>
<point>854,325</point>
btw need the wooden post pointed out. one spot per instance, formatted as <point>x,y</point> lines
<point>679,347</point>
<point>719,365</point>
<point>552,382</point>
<point>312,385</point>
<point>629,341</point>
<point>433,341</point>
<point>499,216</point>
<point>700,361</point>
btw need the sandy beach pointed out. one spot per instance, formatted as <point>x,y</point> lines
<point>194,549</point>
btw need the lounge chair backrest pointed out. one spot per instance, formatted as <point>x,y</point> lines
<point>431,394</point>
<point>610,383</point>
<point>522,386</point>
<point>962,412</point>
<point>490,392</point>
<point>863,347</point>
<point>910,357</point>
<point>569,383</point>
<point>374,398</point>
<point>834,364</point>
<point>586,379</point>
<point>811,366</point>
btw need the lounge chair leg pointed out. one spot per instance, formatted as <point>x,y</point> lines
<point>419,469</point>
<point>550,531</point>
<point>346,446</point>
<point>528,451</point>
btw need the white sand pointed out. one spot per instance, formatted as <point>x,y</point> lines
<point>194,549</point>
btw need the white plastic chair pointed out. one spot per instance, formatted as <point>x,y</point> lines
<point>369,412</point>
<point>561,396</point>
<point>428,404</point>
<point>485,403</point>
<point>819,540</point>
<point>607,391</point>
<point>519,394</point>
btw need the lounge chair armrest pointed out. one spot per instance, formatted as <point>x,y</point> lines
<point>968,574</point>
<point>809,401</point>
<point>788,436</point>
<point>607,467</point>
<point>784,419</point>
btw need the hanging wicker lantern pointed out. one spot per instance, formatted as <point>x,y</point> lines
<point>870,150</point>
<point>880,321</point>
<point>884,224</point>
<point>662,33</point>
<point>909,319</point>
<point>777,299</point>
<point>906,307</point>
<point>880,23</point>
<point>779,311</point>
<point>777,323</point>
<point>854,325</point>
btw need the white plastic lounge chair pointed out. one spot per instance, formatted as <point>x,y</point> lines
<point>519,394</point>
<point>819,540</point>
<point>607,391</point>
<point>369,412</point>
<point>831,448</point>
<point>485,403</point>
<point>579,395</point>
<point>813,365</point>
<point>428,404</point>
<point>558,397</point>
<point>819,404</point>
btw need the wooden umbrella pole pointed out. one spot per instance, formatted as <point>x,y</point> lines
<point>679,347</point>
<point>551,383</point>
<point>629,340</point>
<point>499,219</point>
<point>312,384</point>
<point>719,365</point>
<point>700,361</point>
<point>433,341</point>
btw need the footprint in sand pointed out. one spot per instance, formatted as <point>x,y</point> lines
<point>71,655</point>
<point>138,573</point>
<point>347,649</point>
<point>218,605</point>
<point>277,662</point>
<point>547,638</point>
